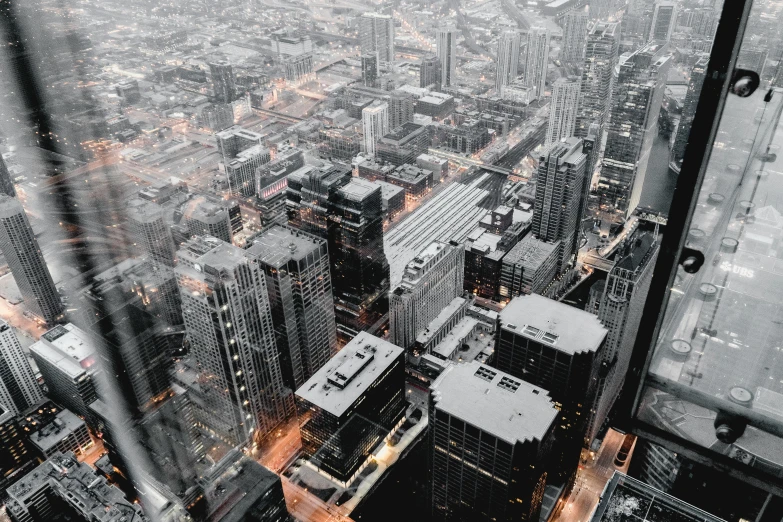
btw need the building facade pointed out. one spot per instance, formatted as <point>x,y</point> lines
<point>430,71</point>
<point>376,35</point>
<point>508,59</point>
<point>563,109</point>
<point>595,93</point>
<point>375,124</point>
<point>18,386</point>
<point>575,25</point>
<point>536,45</point>
<point>447,54</point>
<point>151,231</point>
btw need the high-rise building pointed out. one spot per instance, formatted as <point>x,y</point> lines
<point>151,231</point>
<point>18,387</point>
<point>447,54</point>
<point>135,356</point>
<point>375,124</point>
<point>232,141</point>
<point>376,35</point>
<point>575,25</point>
<point>351,404</point>
<point>688,111</point>
<point>221,77</point>
<point>620,311</point>
<point>562,110</point>
<point>6,183</point>
<point>299,69</point>
<point>348,213</point>
<point>490,440</point>
<point>557,347</point>
<point>400,109</point>
<point>559,193</point>
<point>636,102</point>
<point>508,59</point>
<point>26,261</point>
<point>66,357</point>
<point>241,171</point>
<point>369,69</point>
<point>595,93</point>
<point>663,21</point>
<point>430,281</point>
<point>207,218</point>
<point>299,284</point>
<point>430,71</point>
<point>536,44</point>
<point>229,324</point>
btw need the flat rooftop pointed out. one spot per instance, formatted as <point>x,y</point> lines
<point>359,188</point>
<point>279,244</point>
<point>627,499</point>
<point>553,323</point>
<point>51,434</point>
<point>144,211</point>
<point>343,380</point>
<point>67,347</point>
<point>495,402</point>
<point>531,252</point>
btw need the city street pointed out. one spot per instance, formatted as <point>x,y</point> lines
<point>306,506</point>
<point>278,452</point>
<point>591,479</point>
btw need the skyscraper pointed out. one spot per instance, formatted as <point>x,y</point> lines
<point>369,69</point>
<point>207,218</point>
<point>375,124</point>
<point>6,183</point>
<point>229,324</point>
<point>18,388</point>
<point>151,232</point>
<point>559,192</point>
<point>447,54</point>
<point>536,41</point>
<point>348,213</point>
<point>663,21</point>
<point>557,347</point>
<point>400,109</point>
<point>221,76</point>
<point>575,25</point>
<point>508,59</point>
<point>299,285</point>
<point>636,102</point>
<point>430,71</point>
<point>490,439</point>
<point>620,311</point>
<point>376,35</point>
<point>430,281</point>
<point>562,110</point>
<point>595,93</point>
<point>689,111</point>
<point>26,261</point>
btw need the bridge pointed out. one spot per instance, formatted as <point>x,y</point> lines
<point>651,215</point>
<point>596,262</point>
<point>282,116</point>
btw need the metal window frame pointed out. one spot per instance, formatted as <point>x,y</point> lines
<point>712,99</point>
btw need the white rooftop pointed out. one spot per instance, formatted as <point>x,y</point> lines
<point>343,380</point>
<point>495,402</point>
<point>553,323</point>
<point>67,347</point>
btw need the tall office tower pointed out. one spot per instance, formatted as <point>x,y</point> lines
<point>490,441</point>
<point>299,69</point>
<point>299,285</point>
<point>636,22</point>
<point>597,76</point>
<point>151,231</point>
<point>221,77</point>
<point>18,388</point>
<point>400,109</point>
<point>447,54</point>
<point>536,44</point>
<point>206,218</point>
<point>376,35</point>
<point>620,311</point>
<point>575,25</point>
<point>6,183</point>
<point>430,71</point>
<point>557,347</point>
<point>636,102</point>
<point>559,193</point>
<point>508,59</point>
<point>562,110</point>
<point>663,21</point>
<point>66,357</point>
<point>429,283</point>
<point>347,213</point>
<point>369,69</point>
<point>688,111</point>
<point>375,124</point>
<point>229,325</point>
<point>241,171</point>
<point>135,356</point>
<point>26,261</point>
<point>352,404</point>
<point>232,141</point>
